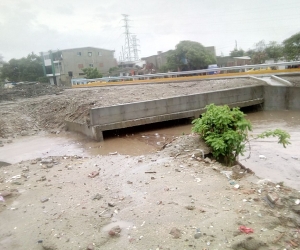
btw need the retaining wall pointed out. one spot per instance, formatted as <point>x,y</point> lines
<point>134,114</point>
<point>281,97</point>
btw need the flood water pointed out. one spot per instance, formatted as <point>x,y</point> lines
<point>268,159</point>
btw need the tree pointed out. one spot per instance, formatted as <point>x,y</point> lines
<point>92,73</point>
<point>25,69</point>
<point>237,53</point>
<point>189,55</point>
<point>292,47</point>
<point>259,55</point>
<point>274,50</point>
<point>226,130</point>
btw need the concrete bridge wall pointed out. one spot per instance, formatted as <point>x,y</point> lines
<point>134,114</point>
<point>178,104</point>
<point>281,97</point>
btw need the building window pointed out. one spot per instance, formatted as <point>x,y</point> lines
<point>80,66</point>
<point>89,53</point>
<point>99,54</point>
<point>91,65</point>
<point>78,53</point>
<point>101,65</point>
<point>46,57</point>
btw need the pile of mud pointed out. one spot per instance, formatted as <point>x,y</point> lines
<point>28,91</point>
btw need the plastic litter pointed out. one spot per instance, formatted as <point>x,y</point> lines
<point>2,199</point>
<point>246,230</point>
<point>262,157</point>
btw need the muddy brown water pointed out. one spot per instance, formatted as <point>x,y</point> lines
<point>268,160</point>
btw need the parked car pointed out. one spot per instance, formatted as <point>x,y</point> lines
<point>213,66</point>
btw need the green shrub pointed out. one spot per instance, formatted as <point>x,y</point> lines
<point>226,130</point>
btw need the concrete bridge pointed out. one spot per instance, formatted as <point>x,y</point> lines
<point>188,106</point>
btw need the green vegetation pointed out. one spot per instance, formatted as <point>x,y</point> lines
<point>92,73</point>
<point>292,47</point>
<point>43,79</point>
<point>25,69</point>
<point>226,130</point>
<point>112,70</point>
<point>188,55</point>
<point>237,52</point>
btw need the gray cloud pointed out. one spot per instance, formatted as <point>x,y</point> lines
<point>36,25</point>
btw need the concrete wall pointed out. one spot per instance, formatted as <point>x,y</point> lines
<point>131,111</point>
<point>281,97</point>
<point>84,129</point>
<point>134,114</point>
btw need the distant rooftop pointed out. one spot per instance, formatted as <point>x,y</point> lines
<point>243,57</point>
<point>53,51</point>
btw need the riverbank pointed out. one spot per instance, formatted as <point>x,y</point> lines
<point>172,199</point>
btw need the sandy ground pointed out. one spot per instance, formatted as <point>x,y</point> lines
<point>168,200</point>
<point>171,199</point>
<point>295,80</point>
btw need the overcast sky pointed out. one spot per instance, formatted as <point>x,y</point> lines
<point>37,25</point>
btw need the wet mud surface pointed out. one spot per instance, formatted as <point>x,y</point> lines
<point>147,189</point>
<point>172,199</point>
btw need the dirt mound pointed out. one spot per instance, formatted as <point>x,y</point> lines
<point>28,91</point>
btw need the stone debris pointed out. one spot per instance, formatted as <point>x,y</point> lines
<point>93,174</point>
<point>115,231</point>
<point>272,197</point>
<point>175,232</point>
<point>97,197</point>
<point>43,200</point>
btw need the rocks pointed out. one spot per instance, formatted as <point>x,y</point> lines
<point>272,197</point>
<point>115,231</point>
<point>175,232</point>
<point>46,161</point>
<point>24,133</point>
<point>43,200</point>
<point>110,204</point>
<point>197,235</point>
<point>190,207</point>
<point>5,193</point>
<point>93,174</point>
<point>250,243</point>
<point>295,208</point>
<point>90,247</point>
<point>207,160</point>
<point>43,178</point>
<point>97,197</point>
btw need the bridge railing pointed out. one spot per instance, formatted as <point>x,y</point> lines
<point>243,68</point>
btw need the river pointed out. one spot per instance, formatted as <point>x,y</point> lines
<point>268,160</point>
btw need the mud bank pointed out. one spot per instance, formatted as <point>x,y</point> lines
<point>172,199</point>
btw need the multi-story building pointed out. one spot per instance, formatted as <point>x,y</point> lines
<point>62,65</point>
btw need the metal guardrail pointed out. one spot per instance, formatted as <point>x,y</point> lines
<point>76,81</point>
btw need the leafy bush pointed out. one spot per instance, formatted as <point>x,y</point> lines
<point>92,73</point>
<point>43,79</point>
<point>226,130</point>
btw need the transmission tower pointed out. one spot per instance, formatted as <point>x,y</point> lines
<point>135,47</point>
<point>130,49</point>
